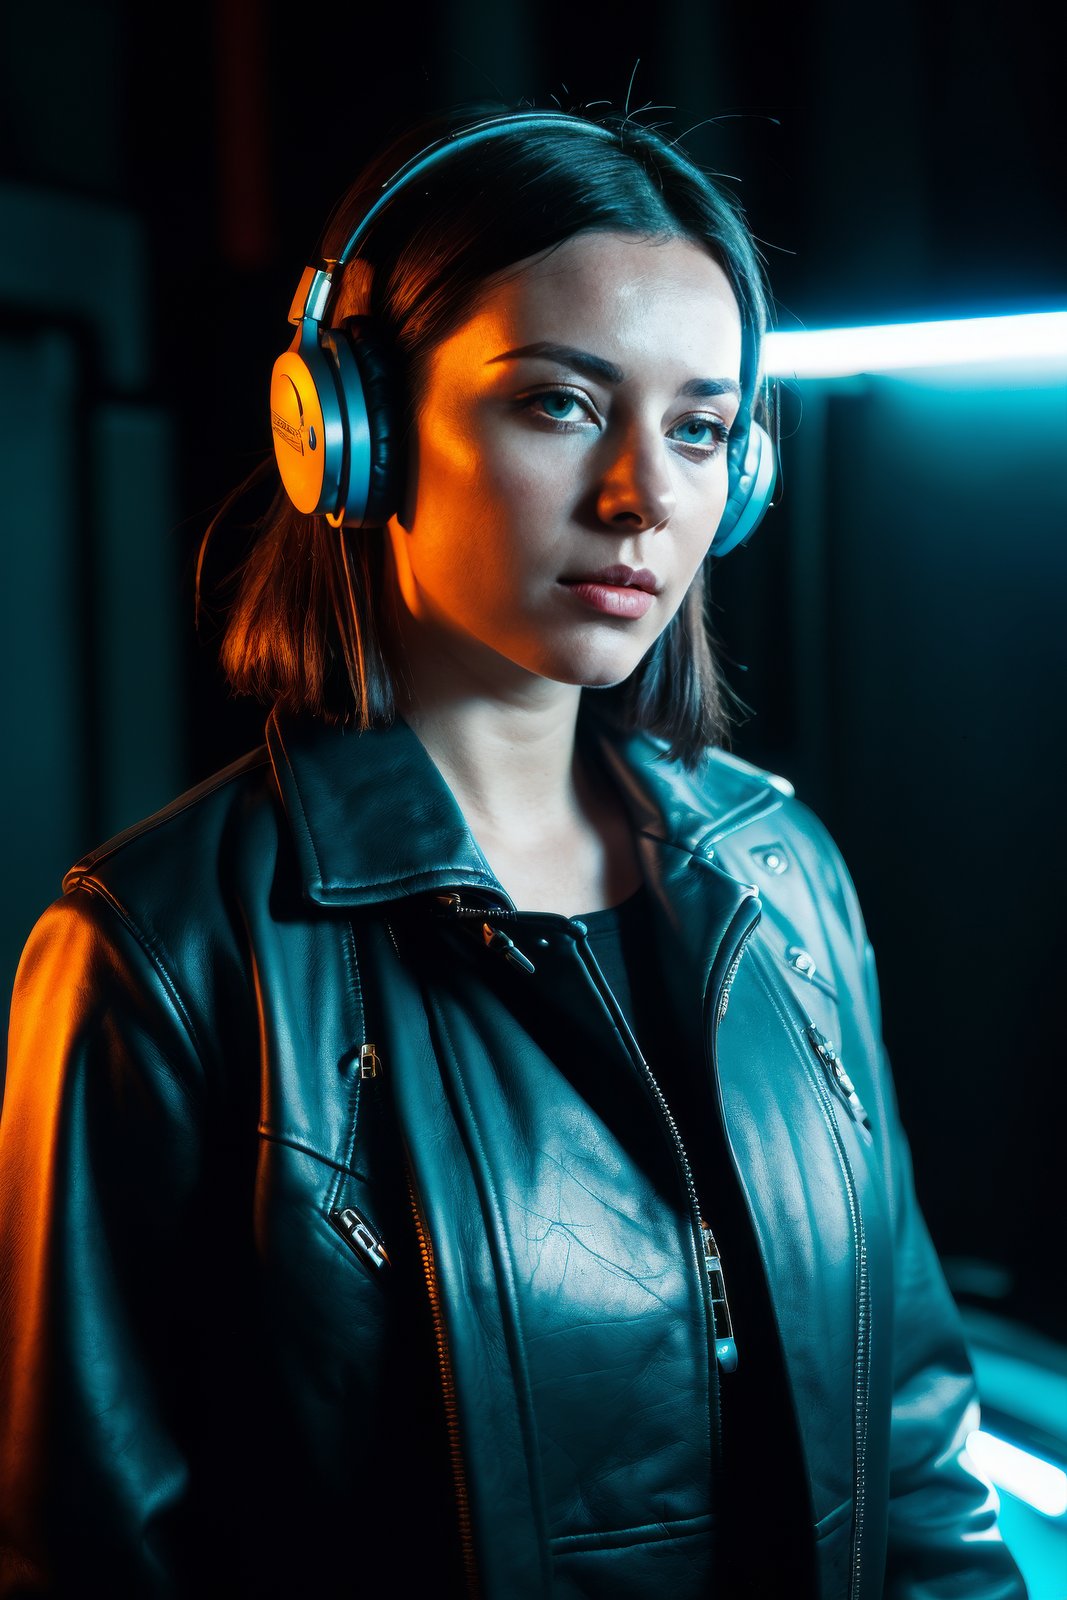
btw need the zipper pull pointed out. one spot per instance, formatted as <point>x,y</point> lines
<point>496,939</point>
<point>840,1078</point>
<point>493,938</point>
<point>725,1343</point>
<point>370,1065</point>
<point>357,1231</point>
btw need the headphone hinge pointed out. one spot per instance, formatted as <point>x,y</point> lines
<point>311,295</point>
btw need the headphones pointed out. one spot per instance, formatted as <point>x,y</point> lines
<point>332,411</point>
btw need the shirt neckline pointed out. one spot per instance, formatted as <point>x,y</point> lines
<point>612,917</point>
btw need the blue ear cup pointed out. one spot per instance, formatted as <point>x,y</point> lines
<point>334,406</point>
<point>753,468</point>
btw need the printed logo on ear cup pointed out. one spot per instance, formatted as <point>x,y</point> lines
<point>292,434</point>
<point>301,442</point>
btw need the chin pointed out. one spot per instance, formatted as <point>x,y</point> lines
<point>589,672</point>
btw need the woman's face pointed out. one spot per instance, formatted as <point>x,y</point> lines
<point>569,467</point>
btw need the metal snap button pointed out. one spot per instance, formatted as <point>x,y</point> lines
<point>801,960</point>
<point>773,858</point>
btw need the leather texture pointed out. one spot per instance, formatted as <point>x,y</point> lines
<point>208,1382</point>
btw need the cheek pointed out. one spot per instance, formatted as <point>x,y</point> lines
<point>512,473</point>
<point>448,450</point>
<point>468,470</point>
<point>703,522</point>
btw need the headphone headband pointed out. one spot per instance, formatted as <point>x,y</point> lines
<point>313,291</point>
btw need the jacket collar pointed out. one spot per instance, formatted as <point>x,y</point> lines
<point>373,819</point>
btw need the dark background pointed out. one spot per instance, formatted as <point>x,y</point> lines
<point>894,631</point>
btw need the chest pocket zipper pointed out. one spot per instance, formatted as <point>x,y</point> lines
<point>354,1228</point>
<point>365,1240</point>
<point>840,1082</point>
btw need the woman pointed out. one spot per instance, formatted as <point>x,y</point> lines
<point>427,1157</point>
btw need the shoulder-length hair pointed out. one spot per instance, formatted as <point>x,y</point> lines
<point>302,630</point>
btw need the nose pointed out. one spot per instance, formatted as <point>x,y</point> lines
<point>636,489</point>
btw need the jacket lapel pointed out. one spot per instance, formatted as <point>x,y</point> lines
<point>371,816</point>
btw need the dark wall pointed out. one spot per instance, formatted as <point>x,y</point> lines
<point>893,631</point>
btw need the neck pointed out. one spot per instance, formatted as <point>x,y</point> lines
<point>510,759</point>
<point>547,821</point>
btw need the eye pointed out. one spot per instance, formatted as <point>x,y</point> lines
<point>555,405</point>
<point>561,409</point>
<point>692,427</point>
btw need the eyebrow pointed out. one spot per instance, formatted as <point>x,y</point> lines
<point>596,367</point>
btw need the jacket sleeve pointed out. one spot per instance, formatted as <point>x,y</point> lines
<point>944,1541</point>
<point>100,1168</point>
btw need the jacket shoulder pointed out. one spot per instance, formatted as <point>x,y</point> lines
<point>733,788</point>
<point>153,912</point>
<point>178,879</point>
<point>738,794</point>
<point>184,830</point>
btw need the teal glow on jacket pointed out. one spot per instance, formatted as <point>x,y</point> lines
<point>318,1269</point>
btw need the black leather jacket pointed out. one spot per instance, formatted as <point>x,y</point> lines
<point>320,1269</point>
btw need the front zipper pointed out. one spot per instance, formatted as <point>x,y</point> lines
<point>862,1375</point>
<point>725,1343</point>
<point>371,1067</point>
<point>448,1389</point>
<point>724,997</point>
<point>862,1353</point>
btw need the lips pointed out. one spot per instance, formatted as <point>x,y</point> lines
<point>617,592</point>
<point>619,577</point>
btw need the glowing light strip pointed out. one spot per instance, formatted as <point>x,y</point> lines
<point>1040,1483</point>
<point>892,347</point>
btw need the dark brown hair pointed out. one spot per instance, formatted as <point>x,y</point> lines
<point>303,630</point>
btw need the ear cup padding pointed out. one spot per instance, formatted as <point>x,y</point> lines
<point>348,502</point>
<point>375,469</point>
